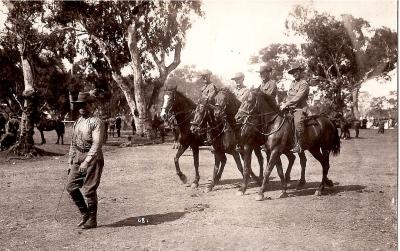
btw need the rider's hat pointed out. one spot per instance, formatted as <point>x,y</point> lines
<point>265,68</point>
<point>205,73</point>
<point>296,67</point>
<point>84,97</point>
<point>238,75</point>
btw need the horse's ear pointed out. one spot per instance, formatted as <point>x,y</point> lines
<point>259,88</point>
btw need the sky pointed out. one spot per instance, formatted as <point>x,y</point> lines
<point>232,31</point>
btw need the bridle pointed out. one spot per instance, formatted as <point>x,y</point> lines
<point>171,115</point>
<point>249,114</point>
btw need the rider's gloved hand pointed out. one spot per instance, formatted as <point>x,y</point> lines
<point>283,106</point>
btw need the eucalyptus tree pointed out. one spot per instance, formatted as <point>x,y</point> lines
<point>340,54</point>
<point>145,37</point>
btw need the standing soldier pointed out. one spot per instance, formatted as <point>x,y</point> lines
<point>240,89</point>
<point>297,99</point>
<point>86,161</point>
<point>268,86</point>
<point>118,124</point>
<point>209,90</point>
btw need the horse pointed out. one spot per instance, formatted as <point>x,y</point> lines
<point>177,106</point>
<point>263,122</point>
<point>220,120</point>
<point>45,124</point>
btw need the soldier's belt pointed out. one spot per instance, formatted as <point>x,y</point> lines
<point>82,150</point>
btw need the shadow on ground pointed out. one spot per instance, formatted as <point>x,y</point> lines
<point>153,219</point>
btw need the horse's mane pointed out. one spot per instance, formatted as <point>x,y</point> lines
<point>232,104</point>
<point>185,99</point>
<point>270,101</point>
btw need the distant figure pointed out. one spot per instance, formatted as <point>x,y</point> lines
<point>158,127</point>
<point>112,126</point>
<point>106,122</point>
<point>10,137</point>
<point>118,123</point>
<point>381,126</point>
<point>3,122</point>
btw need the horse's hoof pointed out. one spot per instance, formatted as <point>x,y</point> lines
<point>240,193</point>
<point>318,193</point>
<point>283,195</point>
<point>183,178</point>
<point>208,189</point>
<point>329,183</point>
<point>194,185</point>
<point>260,197</point>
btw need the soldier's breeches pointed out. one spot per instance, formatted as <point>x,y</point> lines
<point>90,181</point>
<point>299,120</point>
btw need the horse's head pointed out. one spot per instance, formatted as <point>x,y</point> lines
<point>168,103</point>
<point>247,113</point>
<point>201,117</point>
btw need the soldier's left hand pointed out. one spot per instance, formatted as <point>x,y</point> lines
<point>283,106</point>
<point>83,167</point>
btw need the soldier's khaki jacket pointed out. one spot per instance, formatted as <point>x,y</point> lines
<point>208,91</point>
<point>298,94</point>
<point>269,88</point>
<point>240,92</point>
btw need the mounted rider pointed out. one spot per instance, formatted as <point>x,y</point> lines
<point>297,98</point>
<point>268,85</point>
<point>208,92</point>
<point>240,89</point>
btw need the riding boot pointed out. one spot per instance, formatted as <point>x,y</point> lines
<point>299,139</point>
<point>92,212</point>
<point>77,197</point>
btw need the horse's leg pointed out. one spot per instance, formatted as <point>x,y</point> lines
<point>195,150</point>
<point>267,172</point>
<point>58,138</point>
<point>325,170</point>
<point>303,163</point>
<point>291,157</point>
<point>181,150</point>
<point>62,139</point>
<point>279,169</point>
<point>260,158</point>
<point>322,159</point>
<point>247,168</point>
<point>217,161</point>
<point>42,136</point>
<point>238,161</point>
<point>221,167</point>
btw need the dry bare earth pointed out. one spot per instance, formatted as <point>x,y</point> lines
<point>143,205</point>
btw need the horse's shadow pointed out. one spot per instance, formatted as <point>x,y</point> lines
<point>311,188</point>
<point>308,189</point>
<point>153,219</point>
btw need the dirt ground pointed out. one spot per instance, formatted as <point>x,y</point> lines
<point>144,206</point>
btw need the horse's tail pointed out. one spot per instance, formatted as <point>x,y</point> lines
<point>336,142</point>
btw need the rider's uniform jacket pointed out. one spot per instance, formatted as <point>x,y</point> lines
<point>298,94</point>
<point>240,92</point>
<point>208,91</point>
<point>269,87</point>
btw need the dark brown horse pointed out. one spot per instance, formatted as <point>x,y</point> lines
<point>219,119</point>
<point>177,106</point>
<point>45,124</point>
<point>262,122</point>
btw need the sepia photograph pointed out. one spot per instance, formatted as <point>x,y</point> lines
<point>199,125</point>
